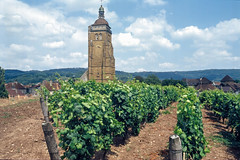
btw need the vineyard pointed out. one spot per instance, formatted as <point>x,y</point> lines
<point>226,107</point>
<point>89,117</point>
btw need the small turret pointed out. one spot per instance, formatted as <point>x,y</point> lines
<point>101,12</point>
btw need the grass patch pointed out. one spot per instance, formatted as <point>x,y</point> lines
<point>128,149</point>
<point>225,138</point>
<point>20,103</point>
<point>166,112</point>
<point>6,115</point>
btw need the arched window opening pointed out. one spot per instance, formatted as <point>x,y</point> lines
<point>96,36</point>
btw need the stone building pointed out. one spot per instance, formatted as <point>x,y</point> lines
<point>101,62</point>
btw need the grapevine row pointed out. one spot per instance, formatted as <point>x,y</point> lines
<point>189,125</point>
<point>89,115</point>
<point>225,106</point>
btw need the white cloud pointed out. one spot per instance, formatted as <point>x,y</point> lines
<point>111,16</point>
<point>141,70</point>
<point>234,59</point>
<point>211,47</point>
<point>78,55</point>
<point>37,32</point>
<point>32,20</point>
<point>167,66</point>
<point>212,54</point>
<point>58,44</point>
<point>213,58</point>
<point>139,63</point>
<point>55,61</point>
<point>78,5</point>
<point>126,39</point>
<point>155,2</point>
<point>21,48</point>
<point>129,19</point>
<point>145,27</point>
<point>80,35</point>
<point>226,30</point>
<point>164,42</point>
<point>188,32</point>
<point>151,32</point>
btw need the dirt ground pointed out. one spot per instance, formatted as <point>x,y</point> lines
<point>21,135</point>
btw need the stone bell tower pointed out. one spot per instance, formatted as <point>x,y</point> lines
<point>101,62</point>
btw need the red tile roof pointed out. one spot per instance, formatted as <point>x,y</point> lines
<point>15,85</point>
<point>100,21</point>
<point>227,78</point>
<point>203,87</point>
<point>51,86</point>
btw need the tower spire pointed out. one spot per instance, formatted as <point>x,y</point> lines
<point>101,11</point>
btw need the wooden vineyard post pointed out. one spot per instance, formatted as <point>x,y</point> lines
<point>175,147</point>
<point>49,133</point>
<point>50,140</point>
<point>44,109</point>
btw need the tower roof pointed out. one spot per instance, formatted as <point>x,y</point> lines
<point>100,21</point>
<point>101,17</point>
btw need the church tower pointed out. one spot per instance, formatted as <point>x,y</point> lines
<point>101,62</point>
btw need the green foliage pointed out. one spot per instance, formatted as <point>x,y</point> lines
<point>190,127</point>
<point>152,79</point>
<point>139,78</point>
<point>205,98</point>
<point>86,121</point>
<point>43,92</point>
<point>171,93</point>
<point>33,77</point>
<point>89,114</point>
<point>237,81</point>
<point>224,106</point>
<point>3,91</point>
<point>168,82</point>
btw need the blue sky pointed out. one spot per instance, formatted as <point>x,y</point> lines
<point>148,35</point>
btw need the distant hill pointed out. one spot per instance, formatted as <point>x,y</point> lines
<point>32,77</point>
<point>28,77</point>
<point>211,74</point>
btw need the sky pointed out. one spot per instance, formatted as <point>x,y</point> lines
<point>148,35</point>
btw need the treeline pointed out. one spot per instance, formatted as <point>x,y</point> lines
<point>152,79</point>
<point>33,77</point>
<point>28,77</point>
<point>3,91</point>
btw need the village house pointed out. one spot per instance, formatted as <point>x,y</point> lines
<point>51,86</point>
<point>16,89</point>
<point>200,84</point>
<point>229,85</point>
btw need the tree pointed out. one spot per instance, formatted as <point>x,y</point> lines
<point>152,79</point>
<point>3,91</point>
<point>173,82</point>
<point>237,81</point>
<point>139,78</point>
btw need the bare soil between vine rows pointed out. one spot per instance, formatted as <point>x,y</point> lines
<point>21,135</point>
